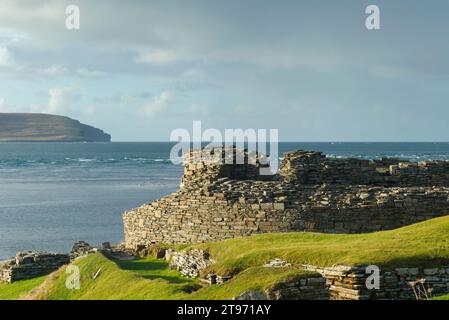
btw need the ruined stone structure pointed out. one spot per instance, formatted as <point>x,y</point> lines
<point>189,263</point>
<point>27,265</point>
<point>309,287</point>
<point>349,283</point>
<point>339,282</point>
<point>81,249</point>
<point>311,193</point>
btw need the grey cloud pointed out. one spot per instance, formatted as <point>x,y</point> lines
<point>312,60</point>
<point>323,35</point>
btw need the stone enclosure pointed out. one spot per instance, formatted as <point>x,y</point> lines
<point>27,265</point>
<point>311,193</point>
<point>30,264</point>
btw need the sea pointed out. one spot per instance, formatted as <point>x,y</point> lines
<point>53,194</point>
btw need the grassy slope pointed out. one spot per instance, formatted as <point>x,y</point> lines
<point>423,244</point>
<point>17,289</point>
<point>151,279</point>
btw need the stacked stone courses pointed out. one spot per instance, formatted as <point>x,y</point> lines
<point>28,265</point>
<point>349,283</point>
<point>311,193</point>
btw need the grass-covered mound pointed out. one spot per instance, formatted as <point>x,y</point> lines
<point>419,245</point>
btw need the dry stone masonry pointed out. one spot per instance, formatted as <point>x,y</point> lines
<point>311,193</point>
<point>27,265</point>
<point>349,283</point>
<point>339,282</point>
<point>310,287</point>
<point>30,264</point>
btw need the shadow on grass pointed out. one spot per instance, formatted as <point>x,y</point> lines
<point>153,269</point>
<point>143,265</point>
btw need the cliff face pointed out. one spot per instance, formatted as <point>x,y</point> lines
<point>36,127</point>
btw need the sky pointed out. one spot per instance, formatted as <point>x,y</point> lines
<point>139,69</point>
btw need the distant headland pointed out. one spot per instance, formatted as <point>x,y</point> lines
<point>37,127</point>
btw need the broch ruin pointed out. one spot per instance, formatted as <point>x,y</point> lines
<point>311,193</point>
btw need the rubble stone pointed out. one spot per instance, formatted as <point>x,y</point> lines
<point>80,249</point>
<point>277,263</point>
<point>190,263</point>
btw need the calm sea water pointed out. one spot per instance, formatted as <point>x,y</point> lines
<point>53,194</point>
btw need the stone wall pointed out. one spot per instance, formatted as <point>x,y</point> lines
<point>311,193</point>
<point>310,287</point>
<point>335,283</point>
<point>207,166</point>
<point>27,265</point>
<point>349,283</point>
<point>312,168</point>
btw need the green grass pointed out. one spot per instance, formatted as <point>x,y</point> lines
<point>151,268</point>
<point>419,245</point>
<point>150,279</point>
<point>143,279</point>
<point>16,290</point>
<point>253,278</point>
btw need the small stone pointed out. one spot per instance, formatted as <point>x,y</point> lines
<point>251,295</point>
<point>430,272</point>
<point>277,263</point>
